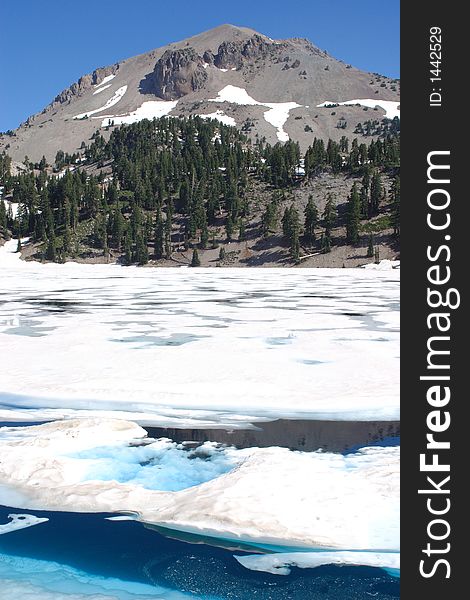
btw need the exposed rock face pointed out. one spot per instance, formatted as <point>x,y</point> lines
<point>177,73</point>
<point>234,54</point>
<point>85,83</point>
<point>208,57</point>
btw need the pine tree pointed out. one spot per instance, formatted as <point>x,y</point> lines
<point>118,228</point>
<point>195,261</point>
<point>141,251</point>
<point>269,218</point>
<point>353,216</point>
<point>395,194</point>
<point>159,237</point>
<point>291,230</point>
<point>311,220</point>
<point>294,233</point>
<point>3,216</point>
<point>66,240</point>
<point>370,247</point>
<point>241,232</point>
<point>168,228</point>
<point>19,246</point>
<point>51,253</point>
<point>229,227</point>
<point>221,253</point>
<point>204,233</point>
<point>128,248</point>
<point>376,192</point>
<point>325,244</point>
<point>329,216</point>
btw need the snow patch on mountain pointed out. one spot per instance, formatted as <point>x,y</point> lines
<point>219,115</point>
<point>276,117</point>
<point>391,108</point>
<point>152,109</point>
<point>13,206</point>
<point>105,80</point>
<point>118,94</point>
<point>101,89</point>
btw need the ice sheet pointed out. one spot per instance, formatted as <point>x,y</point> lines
<point>20,521</point>
<point>198,347</point>
<point>279,564</point>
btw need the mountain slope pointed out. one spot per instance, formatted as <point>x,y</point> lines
<point>268,88</point>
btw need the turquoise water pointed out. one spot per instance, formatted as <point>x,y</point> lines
<point>129,551</point>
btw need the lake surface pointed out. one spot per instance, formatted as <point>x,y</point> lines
<point>180,351</point>
<point>128,551</point>
<point>198,347</point>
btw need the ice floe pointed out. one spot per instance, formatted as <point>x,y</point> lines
<point>197,347</point>
<point>346,502</point>
<point>276,116</point>
<point>391,108</point>
<point>281,563</point>
<point>116,97</point>
<point>152,109</point>
<point>20,521</point>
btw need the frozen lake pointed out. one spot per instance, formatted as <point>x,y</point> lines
<point>197,347</point>
<point>107,348</point>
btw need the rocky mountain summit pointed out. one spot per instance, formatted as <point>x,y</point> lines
<point>272,89</point>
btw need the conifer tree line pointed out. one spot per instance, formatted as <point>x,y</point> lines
<point>173,183</point>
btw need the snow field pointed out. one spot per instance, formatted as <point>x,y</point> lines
<point>117,96</point>
<point>391,108</point>
<point>152,109</point>
<point>277,116</point>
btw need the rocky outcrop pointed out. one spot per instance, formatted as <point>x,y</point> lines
<point>208,57</point>
<point>177,73</point>
<point>233,54</point>
<point>84,84</point>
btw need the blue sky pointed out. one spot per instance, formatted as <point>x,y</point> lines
<point>45,45</point>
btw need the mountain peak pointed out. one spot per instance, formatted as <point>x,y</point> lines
<point>231,73</point>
